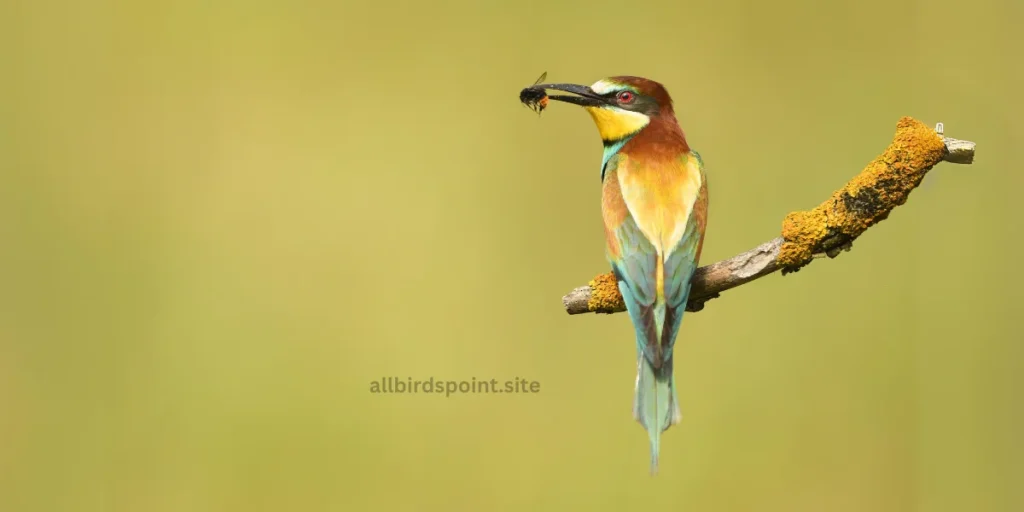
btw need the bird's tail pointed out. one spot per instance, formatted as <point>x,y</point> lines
<point>655,403</point>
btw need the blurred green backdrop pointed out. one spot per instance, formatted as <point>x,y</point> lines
<point>221,220</point>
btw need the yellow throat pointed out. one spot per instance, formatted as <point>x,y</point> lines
<point>614,124</point>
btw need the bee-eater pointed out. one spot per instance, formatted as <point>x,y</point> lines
<point>654,203</point>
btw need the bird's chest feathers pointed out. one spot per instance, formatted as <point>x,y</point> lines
<point>660,195</point>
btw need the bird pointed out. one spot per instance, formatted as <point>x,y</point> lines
<point>654,204</point>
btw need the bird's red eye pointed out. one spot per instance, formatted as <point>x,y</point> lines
<point>625,96</point>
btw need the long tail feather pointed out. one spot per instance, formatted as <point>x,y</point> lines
<point>655,403</point>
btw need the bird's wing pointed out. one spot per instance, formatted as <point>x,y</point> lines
<point>654,225</point>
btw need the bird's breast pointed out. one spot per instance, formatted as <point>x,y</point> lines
<point>660,196</point>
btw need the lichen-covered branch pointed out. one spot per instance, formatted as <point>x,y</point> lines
<point>826,230</point>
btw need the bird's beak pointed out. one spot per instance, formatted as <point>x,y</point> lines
<point>585,96</point>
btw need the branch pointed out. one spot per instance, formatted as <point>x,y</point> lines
<point>826,230</point>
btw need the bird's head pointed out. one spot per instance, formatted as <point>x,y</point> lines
<point>621,106</point>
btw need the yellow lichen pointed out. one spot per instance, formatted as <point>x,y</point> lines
<point>802,232</point>
<point>604,295</point>
<point>866,200</point>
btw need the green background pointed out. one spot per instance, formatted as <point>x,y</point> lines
<point>220,221</point>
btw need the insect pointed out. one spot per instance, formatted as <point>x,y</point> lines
<point>533,97</point>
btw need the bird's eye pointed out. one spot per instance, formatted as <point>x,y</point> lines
<point>625,97</point>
